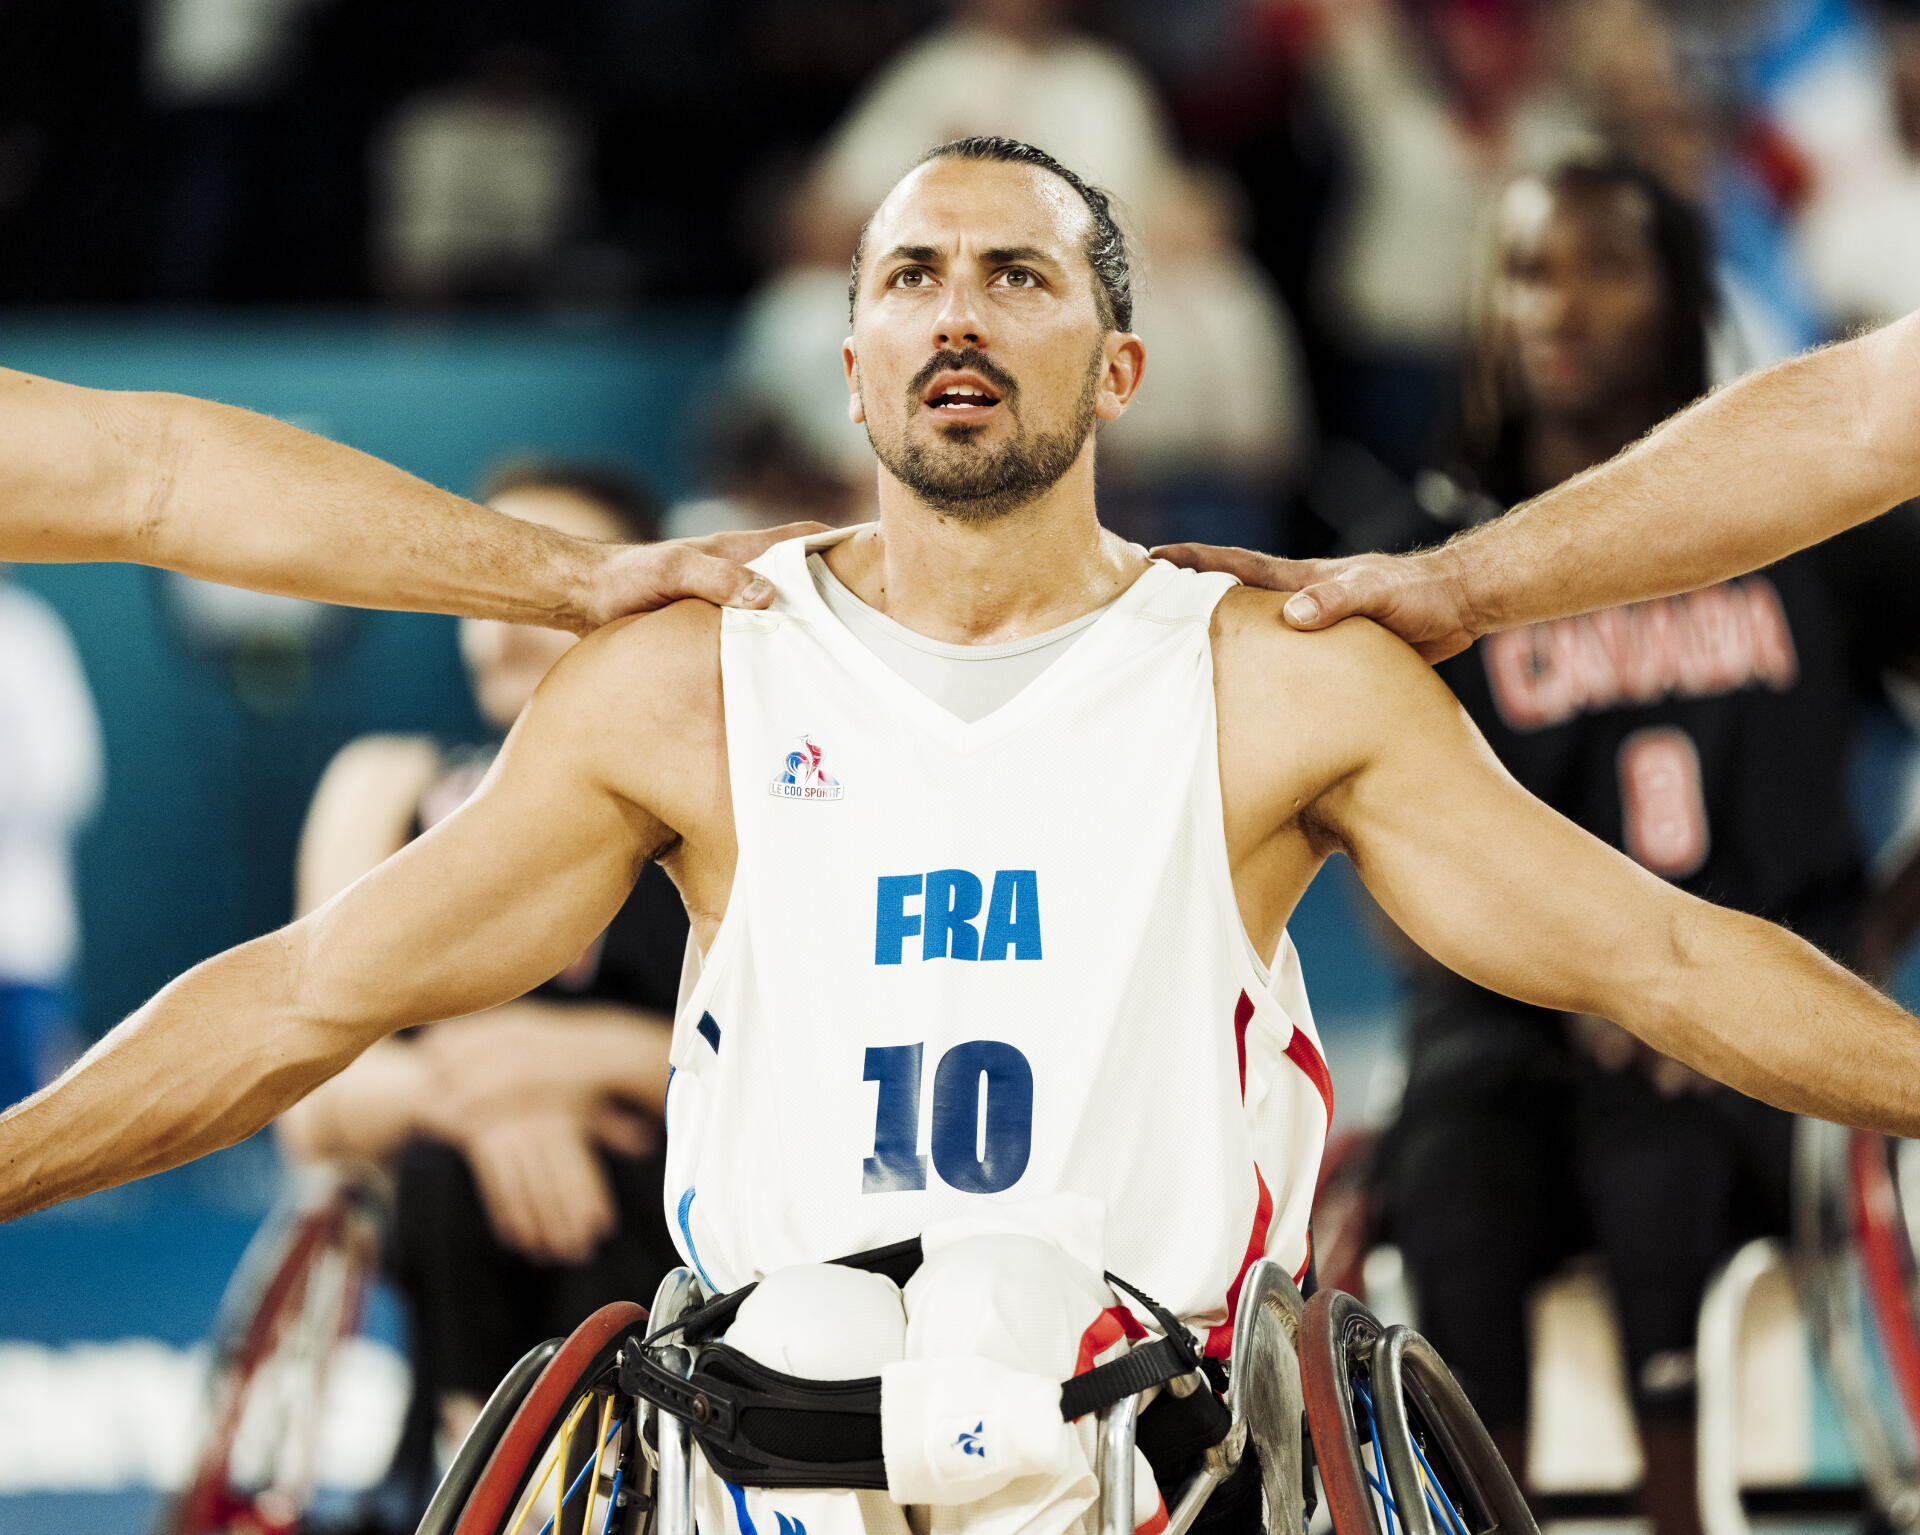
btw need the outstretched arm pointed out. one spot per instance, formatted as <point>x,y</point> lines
<point>1766,466</point>
<point>1505,891</point>
<point>495,899</point>
<point>222,493</point>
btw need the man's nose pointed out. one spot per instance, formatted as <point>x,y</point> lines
<point>961,321</point>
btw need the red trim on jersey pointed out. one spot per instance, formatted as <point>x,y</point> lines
<point>1220,1339</point>
<point>1159,1520</point>
<point>1242,1016</point>
<point>1107,1329</point>
<point>1301,1052</point>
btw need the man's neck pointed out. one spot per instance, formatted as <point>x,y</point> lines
<point>985,583</point>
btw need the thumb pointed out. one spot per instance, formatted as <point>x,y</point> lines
<point>1322,604</point>
<point>664,573</point>
<point>726,582</point>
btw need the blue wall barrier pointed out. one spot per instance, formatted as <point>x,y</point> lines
<point>193,849</point>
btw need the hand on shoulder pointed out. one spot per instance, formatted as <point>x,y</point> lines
<point>1423,598</point>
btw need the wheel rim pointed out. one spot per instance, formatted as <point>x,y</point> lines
<point>576,1382</point>
<point>1335,1327</point>
<point>450,1497</point>
<point>1442,1469</point>
<point>297,1295</point>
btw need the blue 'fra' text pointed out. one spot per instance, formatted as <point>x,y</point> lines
<point>947,924</point>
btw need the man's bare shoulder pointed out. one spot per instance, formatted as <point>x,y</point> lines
<point>1356,658</point>
<point>636,706</point>
<point>1299,712</point>
<point>653,668</point>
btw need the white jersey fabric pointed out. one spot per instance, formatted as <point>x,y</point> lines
<point>994,960</point>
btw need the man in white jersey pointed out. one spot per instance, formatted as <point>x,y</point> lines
<point>999,961</point>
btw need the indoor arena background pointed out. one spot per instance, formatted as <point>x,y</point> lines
<point>617,230</point>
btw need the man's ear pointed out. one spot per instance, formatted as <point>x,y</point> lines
<point>856,413</point>
<point>1124,363</point>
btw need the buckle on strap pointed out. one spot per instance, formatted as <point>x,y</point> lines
<point>1149,1364</point>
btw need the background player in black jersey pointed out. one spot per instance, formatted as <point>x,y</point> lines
<point>525,1142</point>
<point>1708,736</point>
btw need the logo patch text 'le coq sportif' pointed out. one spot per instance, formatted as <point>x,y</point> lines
<point>802,775</point>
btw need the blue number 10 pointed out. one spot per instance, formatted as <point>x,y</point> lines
<point>982,1118</point>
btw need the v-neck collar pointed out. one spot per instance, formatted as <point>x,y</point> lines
<point>787,564</point>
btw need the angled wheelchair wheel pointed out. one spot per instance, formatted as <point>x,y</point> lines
<point>570,1459</point>
<point>1886,1248</point>
<point>1397,1443</point>
<point>1850,1251</point>
<point>296,1298</point>
<point>450,1497</point>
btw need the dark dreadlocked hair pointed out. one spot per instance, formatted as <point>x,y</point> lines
<point>1106,247</point>
<point>1491,410</point>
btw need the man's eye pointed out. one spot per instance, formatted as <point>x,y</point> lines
<point>912,277</point>
<point>1019,277</point>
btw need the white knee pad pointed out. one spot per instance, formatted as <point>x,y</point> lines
<point>1017,1300</point>
<point>821,1321</point>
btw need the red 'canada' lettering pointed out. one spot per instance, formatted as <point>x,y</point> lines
<point>1706,643</point>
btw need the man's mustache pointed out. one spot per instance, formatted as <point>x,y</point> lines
<point>972,360</point>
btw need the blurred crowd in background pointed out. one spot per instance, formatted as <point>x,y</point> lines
<point>1304,179</point>
<point>1311,187</point>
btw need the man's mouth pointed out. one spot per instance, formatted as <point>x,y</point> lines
<point>960,397</point>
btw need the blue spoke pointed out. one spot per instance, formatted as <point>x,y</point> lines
<point>547,1528</point>
<point>1452,1514</point>
<point>1365,1395</point>
<point>613,1498</point>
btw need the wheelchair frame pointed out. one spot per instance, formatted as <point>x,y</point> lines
<point>1286,1352</point>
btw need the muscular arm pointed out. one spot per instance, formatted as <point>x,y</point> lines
<point>1496,886</point>
<point>1768,465</point>
<point>491,902</point>
<point>228,495</point>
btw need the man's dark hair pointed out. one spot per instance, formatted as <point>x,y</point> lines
<point>1492,413</point>
<point>1106,247</point>
<point>622,496</point>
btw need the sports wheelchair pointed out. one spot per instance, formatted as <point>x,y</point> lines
<point>595,1435</point>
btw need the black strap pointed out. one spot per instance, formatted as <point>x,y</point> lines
<point>1151,1364</point>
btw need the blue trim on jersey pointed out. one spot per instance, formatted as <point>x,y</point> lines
<point>686,1230</point>
<point>709,1031</point>
<point>739,1495</point>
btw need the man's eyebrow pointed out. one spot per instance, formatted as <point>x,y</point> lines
<point>1004,255</point>
<point>999,255</point>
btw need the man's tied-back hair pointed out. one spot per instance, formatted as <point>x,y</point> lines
<point>1106,247</point>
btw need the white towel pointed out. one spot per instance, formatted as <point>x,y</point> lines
<point>958,1430</point>
<point>821,1321</point>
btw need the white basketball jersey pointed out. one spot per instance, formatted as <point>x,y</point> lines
<point>995,960</point>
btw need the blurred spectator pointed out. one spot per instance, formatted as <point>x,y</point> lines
<point>1861,226</point>
<point>1678,98</point>
<point>1012,67</point>
<point>784,374</point>
<point>1222,426</point>
<point>1439,101</point>
<point>1708,737</point>
<point>480,184</point>
<point>50,780</point>
<point>215,69</point>
<point>526,1139</point>
<point>758,475</point>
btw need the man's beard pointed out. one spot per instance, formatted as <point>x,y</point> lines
<point>981,486</point>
